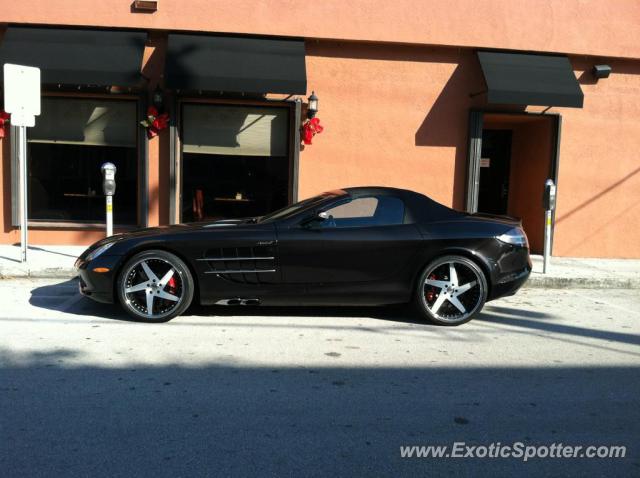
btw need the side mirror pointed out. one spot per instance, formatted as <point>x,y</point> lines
<point>316,220</point>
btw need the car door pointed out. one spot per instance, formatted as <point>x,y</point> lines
<point>363,239</point>
<point>236,261</point>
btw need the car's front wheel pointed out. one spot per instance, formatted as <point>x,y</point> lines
<point>155,286</point>
<point>451,290</point>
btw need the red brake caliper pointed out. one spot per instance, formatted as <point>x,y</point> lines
<point>172,284</point>
<point>430,295</point>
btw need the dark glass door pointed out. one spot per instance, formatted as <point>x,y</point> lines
<point>495,160</point>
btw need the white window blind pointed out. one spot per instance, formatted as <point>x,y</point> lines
<point>85,122</point>
<point>235,130</point>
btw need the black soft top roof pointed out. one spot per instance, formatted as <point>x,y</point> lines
<point>421,207</point>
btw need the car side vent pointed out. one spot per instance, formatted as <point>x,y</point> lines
<point>252,265</point>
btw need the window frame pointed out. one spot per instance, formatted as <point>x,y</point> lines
<point>351,199</point>
<point>176,146</point>
<point>142,165</point>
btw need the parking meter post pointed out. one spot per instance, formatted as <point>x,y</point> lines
<point>109,189</point>
<point>549,201</point>
<point>22,161</point>
<point>547,240</point>
<point>109,216</point>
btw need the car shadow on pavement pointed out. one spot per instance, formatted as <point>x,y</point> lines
<point>77,305</point>
<point>533,322</point>
<point>558,329</point>
<point>68,415</point>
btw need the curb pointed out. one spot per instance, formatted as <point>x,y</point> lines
<point>550,282</point>
<point>52,273</point>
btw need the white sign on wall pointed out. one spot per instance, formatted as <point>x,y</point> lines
<point>22,94</point>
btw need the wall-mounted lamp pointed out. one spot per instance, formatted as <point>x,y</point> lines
<point>601,71</point>
<point>146,5</point>
<point>312,107</point>
<point>158,98</point>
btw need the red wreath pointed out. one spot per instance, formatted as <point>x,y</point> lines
<point>155,122</point>
<point>310,128</point>
<point>4,120</point>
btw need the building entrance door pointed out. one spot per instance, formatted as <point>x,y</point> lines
<point>511,157</point>
<point>495,162</point>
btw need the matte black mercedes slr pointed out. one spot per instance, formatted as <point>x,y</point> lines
<point>357,246</point>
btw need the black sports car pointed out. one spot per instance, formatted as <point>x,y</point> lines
<point>357,246</point>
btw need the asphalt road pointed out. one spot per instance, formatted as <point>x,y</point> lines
<point>313,392</point>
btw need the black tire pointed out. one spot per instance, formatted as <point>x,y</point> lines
<point>441,300</point>
<point>139,285</point>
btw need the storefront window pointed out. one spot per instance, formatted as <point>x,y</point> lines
<point>235,161</point>
<point>71,140</point>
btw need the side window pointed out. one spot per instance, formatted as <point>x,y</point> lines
<point>366,212</point>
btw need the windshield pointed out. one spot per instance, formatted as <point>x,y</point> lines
<point>289,211</point>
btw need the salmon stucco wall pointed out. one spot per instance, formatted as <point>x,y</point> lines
<point>593,27</point>
<point>598,212</point>
<point>398,116</point>
<point>393,116</point>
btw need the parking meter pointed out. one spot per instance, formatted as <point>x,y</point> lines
<point>549,203</point>
<point>109,189</point>
<point>549,198</point>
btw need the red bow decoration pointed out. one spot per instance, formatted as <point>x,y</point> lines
<point>155,122</point>
<point>4,118</point>
<point>310,128</point>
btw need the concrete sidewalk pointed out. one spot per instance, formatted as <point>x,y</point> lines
<point>579,273</point>
<point>57,261</point>
<point>42,261</point>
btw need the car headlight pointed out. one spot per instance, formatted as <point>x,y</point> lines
<point>98,251</point>
<point>515,236</point>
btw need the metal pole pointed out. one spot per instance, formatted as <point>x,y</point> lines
<point>109,215</point>
<point>547,240</point>
<point>22,160</point>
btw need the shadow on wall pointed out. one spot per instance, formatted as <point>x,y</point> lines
<point>71,418</point>
<point>446,123</point>
<point>612,220</point>
<point>447,120</point>
<point>618,66</point>
<point>597,196</point>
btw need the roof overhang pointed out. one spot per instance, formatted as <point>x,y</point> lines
<point>236,64</point>
<point>77,56</point>
<point>527,79</point>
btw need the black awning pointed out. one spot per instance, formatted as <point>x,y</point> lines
<point>236,64</point>
<point>523,79</point>
<point>77,56</point>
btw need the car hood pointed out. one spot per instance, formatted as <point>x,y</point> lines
<point>150,232</point>
<point>187,227</point>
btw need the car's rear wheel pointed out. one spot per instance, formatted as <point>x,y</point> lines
<point>451,290</point>
<point>155,286</point>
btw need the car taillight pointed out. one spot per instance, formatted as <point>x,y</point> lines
<point>515,236</point>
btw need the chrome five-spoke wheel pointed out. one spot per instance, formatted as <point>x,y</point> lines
<point>155,286</point>
<point>452,290</point>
